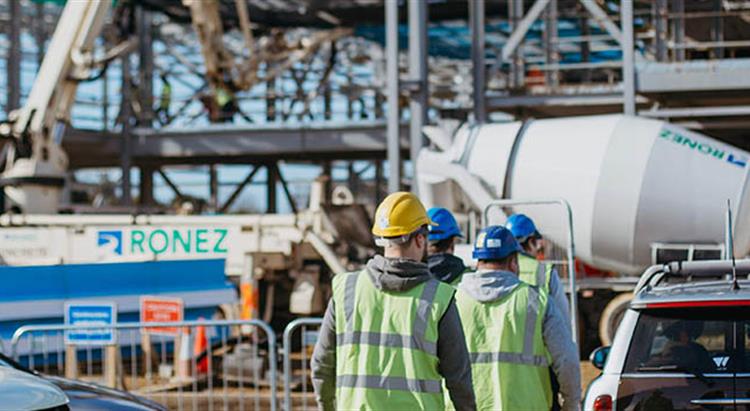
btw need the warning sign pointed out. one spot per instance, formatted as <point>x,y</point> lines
<point>161,310</point>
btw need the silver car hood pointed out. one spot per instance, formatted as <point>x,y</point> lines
<point>23,391</point>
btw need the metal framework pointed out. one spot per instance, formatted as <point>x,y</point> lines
<point>344,91</point>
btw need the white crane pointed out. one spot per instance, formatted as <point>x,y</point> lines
<point>34,164</point>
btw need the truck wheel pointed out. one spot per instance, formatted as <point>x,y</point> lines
<point>611,317</point>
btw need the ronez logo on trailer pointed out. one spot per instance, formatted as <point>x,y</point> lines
<point>110,242</point>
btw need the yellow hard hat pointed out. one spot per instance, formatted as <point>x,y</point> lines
<point>399,214</point>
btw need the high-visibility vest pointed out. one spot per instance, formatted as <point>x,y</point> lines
<point>509,361</point>
<point>533,272</point>
<point>386,344</point>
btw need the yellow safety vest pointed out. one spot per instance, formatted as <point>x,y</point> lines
<point>386,344</point>
<point>533,272</point>
<point>509,361</point>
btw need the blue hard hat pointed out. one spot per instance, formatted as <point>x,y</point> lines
<point>495,243</point>
<point>522,227</point>
<point>447,226</point>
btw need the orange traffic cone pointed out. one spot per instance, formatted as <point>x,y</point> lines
<point>201,344</point>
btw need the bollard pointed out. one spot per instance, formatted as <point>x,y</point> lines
<point>110,366</point>
<point>182,355</point>
<point>71,362</point>
<point>147,350</point>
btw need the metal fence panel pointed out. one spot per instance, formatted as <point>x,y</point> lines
<point>204,365</point>
<point>307,339</point>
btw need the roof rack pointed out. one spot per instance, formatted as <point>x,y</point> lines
<point>708,269</point>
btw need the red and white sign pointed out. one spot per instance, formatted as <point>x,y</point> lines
<point>162,310</point>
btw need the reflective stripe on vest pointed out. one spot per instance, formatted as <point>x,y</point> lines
<point>389,383</point>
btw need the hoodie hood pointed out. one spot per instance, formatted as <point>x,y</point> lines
<point>445,267</point>
<point>487,286</point>
<point>396,274</point>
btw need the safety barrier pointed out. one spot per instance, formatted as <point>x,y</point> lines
<point>207,363</point>
<point>307,339</point>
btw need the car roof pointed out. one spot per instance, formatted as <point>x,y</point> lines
<point>693,284</point>
<point>722,292</point>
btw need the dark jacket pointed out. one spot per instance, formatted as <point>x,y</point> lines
<point>445,267</point>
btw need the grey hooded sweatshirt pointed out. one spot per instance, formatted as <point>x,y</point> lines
<point>398,275</point>
<point>487,286</point>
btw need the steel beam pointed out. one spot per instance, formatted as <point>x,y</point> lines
<point>551,55</point>
<point>515,13</point>
<point>352,177</point>
<point>603,20</point>
<point>40,32</point>
<point>235,144</point>
<point>146,189</point>
<point>285,187</point>
<point>695,75</point>
<point>476,24</point>
<point>504,102</point>
<point>213,188</point>
<point>660,16</point>
<point>378,183</point>
<point>14,57</point>
<point>717,30</point>
<point>391,46</point>
<point>522,27</point>
<point>722,111</point>
<point>170,183</point>
<point>678,28</point>
<point>628,58</point>
<point>418,75</point>
<point>144,28</point>
<point>237,191</point>
<point>125,152</point>
<point>271,180</point>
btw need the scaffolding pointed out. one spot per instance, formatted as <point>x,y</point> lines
<point>355,97</point>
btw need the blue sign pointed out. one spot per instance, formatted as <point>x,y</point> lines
<point>87,314</point>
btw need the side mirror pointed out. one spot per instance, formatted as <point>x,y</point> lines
<point>599,357</point>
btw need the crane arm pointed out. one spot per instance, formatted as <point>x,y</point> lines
<point>34,163</point>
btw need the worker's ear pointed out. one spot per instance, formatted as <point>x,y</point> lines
<point>513,264</point>
<point>420,240</point>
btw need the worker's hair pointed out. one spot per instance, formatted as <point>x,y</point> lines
<point>441,246</point>
<point>525,243</point>
<point>403,241</point>
<point>502,261</point>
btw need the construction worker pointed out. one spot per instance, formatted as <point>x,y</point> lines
<point>165,100</point>
<point>512,333</point>
<point>391,333</point>
<point>443,265</point>
<point>532,271</point>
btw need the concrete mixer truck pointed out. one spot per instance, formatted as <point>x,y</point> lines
<point>641,191</point>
